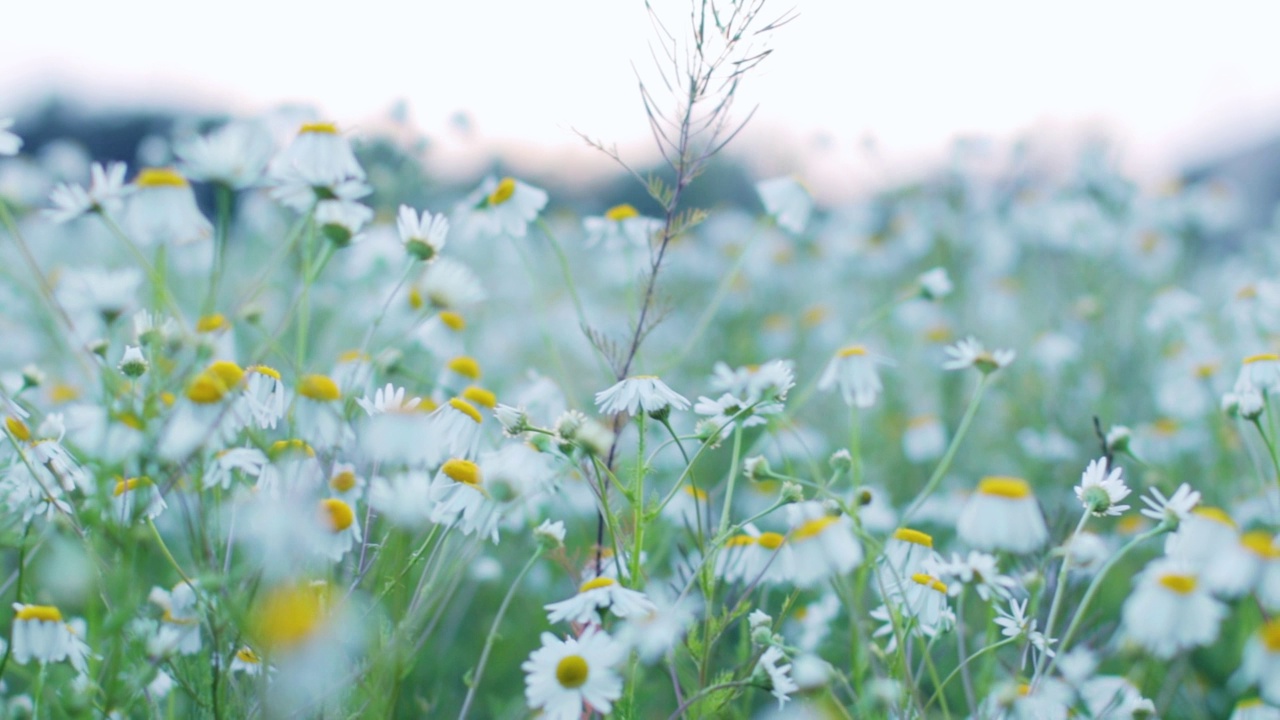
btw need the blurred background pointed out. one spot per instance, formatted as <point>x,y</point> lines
<point>857,95</point>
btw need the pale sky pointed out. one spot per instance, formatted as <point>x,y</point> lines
<point>1170,81</point>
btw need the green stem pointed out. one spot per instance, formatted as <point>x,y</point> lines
<point>733,479</point>
<point>1096,584</point>
<point>945,464</point>
<point>17,596</point>
<point>493,634</point>
<point>1271,447</point>
<point>164,549</point>
<point>637,507</point>
<point>977,654</point>
<point>1059,592</point>
<point>222,199</point>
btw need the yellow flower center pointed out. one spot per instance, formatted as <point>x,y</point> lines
<point>160,177</point>
<point>465,408</point>
<point>124,486</point>
<point>463,471</point>
<point>267,371</point>
<point>852,351</point>
<point>572,671</point>
<point>206,389</point>
<point>451,320</point>
<point>920,421</point>
<point>209,323</point>
<point>1005,487</point>
<point>338,514</point>
<point>319,128</point>
<point>740,541</point>
<point>1261,357</point>
<point>415,299</point>
<point>506,188</point>
<point>246,655</point>
<point>1181,584</point>
<point>1271,636</point>
<point>618,213</point>
<point>1215,514</point>
<point>320,388</point>
<point>697,493</point>
<point>228,372</point>
<point>40,613</point>
<point>812,528</point>
<point>286,616</point>
<point>352,356</point>
<point>930,581</point>
<point>343,481</point>
<point>465,366</point>
<point>62,392</point>
<point>1259,543</point>
<point>480,396</point>
<point>595,583</point>
<point>770,540</point>
<point>18,429</point>
<point>281,447</point>
<point>913,536</point>
<point>131,420</point>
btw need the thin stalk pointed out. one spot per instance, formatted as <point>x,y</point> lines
<point>733,479</point>
<point>1058,593</point>
<point>493,634</point>
<point>945,464</point>
<point>965,663</point>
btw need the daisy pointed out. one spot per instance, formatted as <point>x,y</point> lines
<point>249,462</point>
<point>246,661</point>
<point>935,284</point>
<point>906,553</point>
<point>234,155</point>
<point>1111,696</point>
<point>1254,709</point>
<point>132,364</point>
<point>340,528</point>
<point>1014,623</point>
<point>128,494</point>
<point>853,370</point>
<point>441,334</point>
<point>925,439</point>
<point>1170,610</point>
<point>39,633</point>
<point>780,683</point>
<point>1173,509</point>
<point>980,570</point>
<point>9,143</point>
<point>1261,371</point>
<point>449,284</point>
<point>459,497</point>
<point>787,201</point>
<point>621,226</point>
<point>823,545</point>
<point>319,156</point>
<point>455,430</point>
<point>179,630</point>
<point>640,393</point>
<point>969,353</point>
<point>502,207</point>
<point>1100,491</point>
<point>595,594</point>
<point>265,399</point>
<point>404,499</point>
<point>106,192</point>
<point>163,210</point>
<point>342,221</point>
<point>423,237</point>
<point>318,411</point>
<point>767,383</point>
<point>1002,515</point>
<point>564,675</point>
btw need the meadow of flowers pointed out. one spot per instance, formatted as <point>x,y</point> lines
<point>291,430</point>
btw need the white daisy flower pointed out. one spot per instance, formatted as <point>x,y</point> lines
<point>265,399</point>
<point>1002,514</point>
<point>388,399</point>
<point>1254,708</point>
<point>1100,490</point>
<point>10,144</point>
<point>459,497</point>
<point>39,633</point>
<point>925,439</point>
<point>340,529</point>
<point>780,683</point>
<point>597,593</point>
<point>246,661</point>
<point>621,226</point>
<point>935,284</point>
<point>787,201</point>
<point>1261,664</point>
<point>969,353</point>
<point>342,221</point>
<point>1114,697</point>
<point>449,284</point>
<point>319,156</point>
<point>403,499</point>
<point>823,545</point>
<point>106,192</point>
<point>563,676</point>
<point>245,460</point>
<point>129,494</point>
<point>1173,509</point>
<point>235,154</point>
<point>979,569</point>
<point>644,393</point>
<point>853,370</point>
<point>163,210</point>
<point>423,237</point>
<point>179,630</point>
<point>1014,623</point>
<point>501,207</point>
<point>1170,610</point>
